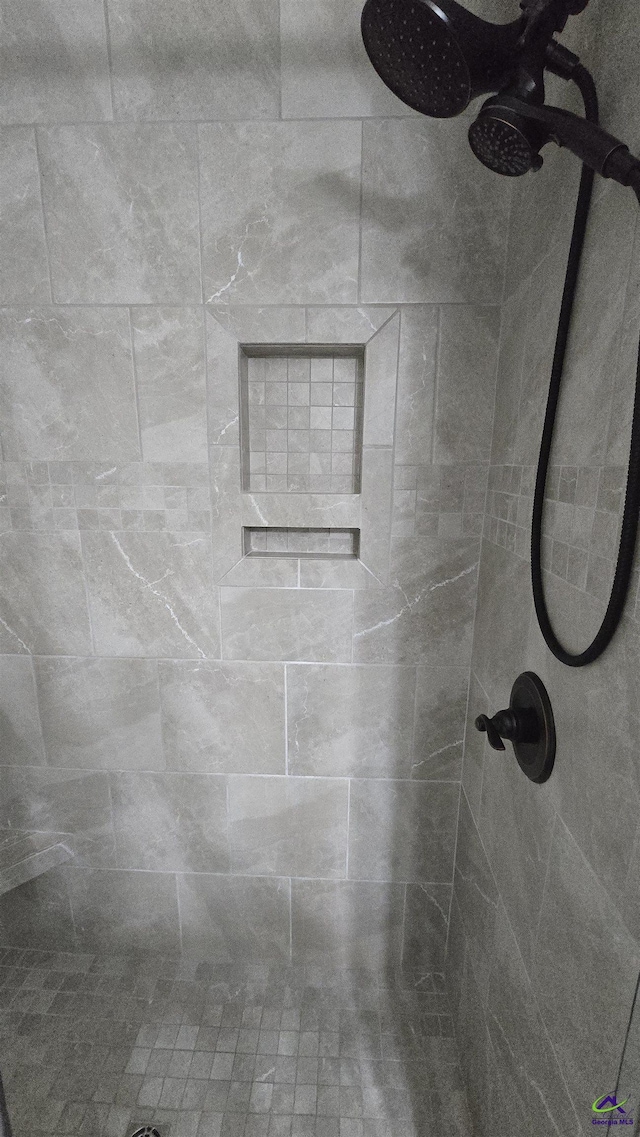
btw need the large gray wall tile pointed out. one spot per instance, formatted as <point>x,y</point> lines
<point>416,384</point>
<point>426,922</point>
<point>101,713</point>
<point>169,821</point>
<point>521,1044</point>
<point>402,830</point>
<point>70,802</point>
<point>441,700</point>
<point>350,721</point>
<point>21,740</point>
<point>295,624</point>
<point>125,911</point>
<point>152,594</point>
<point>325,69</point>
<point>466,382</point>
<point>170,380</point>
<point>427,617</point>
<point>121,210</point>
<point>288,826</point>
<point>346,923</point>
<point>223,717</point>
<point>235,919</point>
<point>585,970</point>
<point>54,63</point>
<point>38,915</point>
<point>434,221</point>
<point>24,270</point>
<point>67,389</point>
<point>477,895</point>
<point>181,63</point>
<point>280,212</point>
<point>44,607</point>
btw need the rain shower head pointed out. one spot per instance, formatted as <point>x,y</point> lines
<point>437,57</point>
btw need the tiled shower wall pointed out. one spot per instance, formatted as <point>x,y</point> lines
<point>544,948</point>
<point>269,770</point>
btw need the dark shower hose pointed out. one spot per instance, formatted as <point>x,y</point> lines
<point>624,564</point>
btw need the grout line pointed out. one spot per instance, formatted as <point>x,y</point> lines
<point>134,378</point>
<point>290,920</point>
<point>105,11</point>
<point>200,245</point>
<point>404,923</point>
<point>44,227</point>
<point>359,281</point>
<point>346,865</point>
<point>436,385</point>
<point>286,720</point>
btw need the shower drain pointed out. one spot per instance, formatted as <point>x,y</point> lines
<point>146,1131</point>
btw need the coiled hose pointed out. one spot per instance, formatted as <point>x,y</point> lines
<point>624,564</point>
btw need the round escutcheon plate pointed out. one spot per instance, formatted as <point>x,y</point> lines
<point>535,758</point>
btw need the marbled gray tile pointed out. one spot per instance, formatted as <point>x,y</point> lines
<point>67,390</point>
<point>125,911</point>
<point>280,212</point>
<point>466,381</point>
<point>426,922</point>
<point>21,742</point>
<point>38,914</point>
<point>350,721</point>
<point>168,346</point>
<point>381,376</point>
<point>170,822</point>
<point>44,608</point>
<point>178,63</point>
<point>288,826</point>
<point>402,830</point>
<point>477,896</point>
<point>325,70</point>
<point>452,251</point>
<point>427,616</point>
<point>495,1104</point>
<point>349,923</point>
<point>295,624</point>
<point>345,324</point>
<point>152,594</point>
<point>441,700</point>
<point>515,824</point>
<point>499,646</point>
<point>24,270</point>
<point>585,970</point>
<point>261,324</point>
<point>100,713</point>
<point>70,802</point>
<point>474,746</point>
<point>416,384</point>
<point>521,1043</point>
<point>121,210</point>
<point>235,919</point>
<point>54,63</point>
<point>223,717</point>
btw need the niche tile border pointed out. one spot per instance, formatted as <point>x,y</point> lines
<point>372,332</point>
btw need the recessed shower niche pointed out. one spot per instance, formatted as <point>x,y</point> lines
<point>301,411</point>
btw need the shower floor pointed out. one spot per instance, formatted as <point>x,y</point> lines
<point>99,1045</point>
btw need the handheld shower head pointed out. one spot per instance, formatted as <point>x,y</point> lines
<point>437,57</point>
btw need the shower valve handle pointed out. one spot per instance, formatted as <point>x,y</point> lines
<point>516,725</point>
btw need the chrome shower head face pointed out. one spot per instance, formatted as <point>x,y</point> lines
<point>436,57</point>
